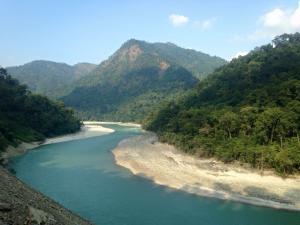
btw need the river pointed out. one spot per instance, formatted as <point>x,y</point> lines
<point>82,176</point>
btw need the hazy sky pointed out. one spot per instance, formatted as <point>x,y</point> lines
<point>74,31</point>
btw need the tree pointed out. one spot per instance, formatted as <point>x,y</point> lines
<point>294,106</point>
<point>229,122</point>
<point>248,115</point>
<point>267,124</point>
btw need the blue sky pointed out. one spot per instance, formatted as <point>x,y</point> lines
<point>74,31</point>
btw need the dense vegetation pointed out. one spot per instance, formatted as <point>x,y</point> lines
<point>132,97</point>
<point>198,63</point>
<point>30,117</point>
<point>49,78</point>
<point>248,110</point>
<point>136,79</point>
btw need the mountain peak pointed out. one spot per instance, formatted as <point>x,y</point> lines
<point>131,42</point>
<point>42,61</point>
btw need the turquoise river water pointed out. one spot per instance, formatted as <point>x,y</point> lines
<point>82,176</point>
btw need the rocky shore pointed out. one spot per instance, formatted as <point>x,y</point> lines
<point>165,165</point>
<point>21,205</point>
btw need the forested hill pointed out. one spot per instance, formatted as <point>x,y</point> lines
<point>49,78</point>
<point>248,110</point>
<point>30,117</point>
<point>136,79</point>
<point>198,63</point>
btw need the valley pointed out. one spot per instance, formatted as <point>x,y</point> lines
<point>153,127</point>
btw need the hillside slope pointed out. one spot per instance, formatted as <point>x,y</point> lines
<point>198,63</point>
<point>136,79</point>
<point>26,117</point>
<point>49,78</point>
<point>248,110</point>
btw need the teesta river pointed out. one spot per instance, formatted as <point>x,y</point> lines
<point>82,176</point>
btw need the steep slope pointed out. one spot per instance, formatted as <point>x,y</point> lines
<point>49,78</point>
<point>27,117</point>
<point>198,63</point>
<point>248,110</point>
<point>136,78</point>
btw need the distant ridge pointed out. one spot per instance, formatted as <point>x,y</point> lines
<point>47,77</point>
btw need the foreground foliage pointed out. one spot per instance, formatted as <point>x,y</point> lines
<point>248,110</point>
<point>29,117</point>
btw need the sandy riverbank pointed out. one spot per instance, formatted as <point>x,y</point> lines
<point>87,131</point>
<point>117,123</point>
<point>165,165</point>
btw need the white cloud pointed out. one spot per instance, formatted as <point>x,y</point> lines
<point>275,18</point>
<point>276,22</point>
<point>295,18</point>
<point>240,53</point>
<point>178,20</point>
<point>205,24</point>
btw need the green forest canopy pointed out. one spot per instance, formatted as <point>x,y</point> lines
<point>247,110</point>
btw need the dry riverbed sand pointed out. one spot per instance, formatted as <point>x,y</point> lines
<point>90,129</point>
<point>20,204</point>
<point>165,165</point>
